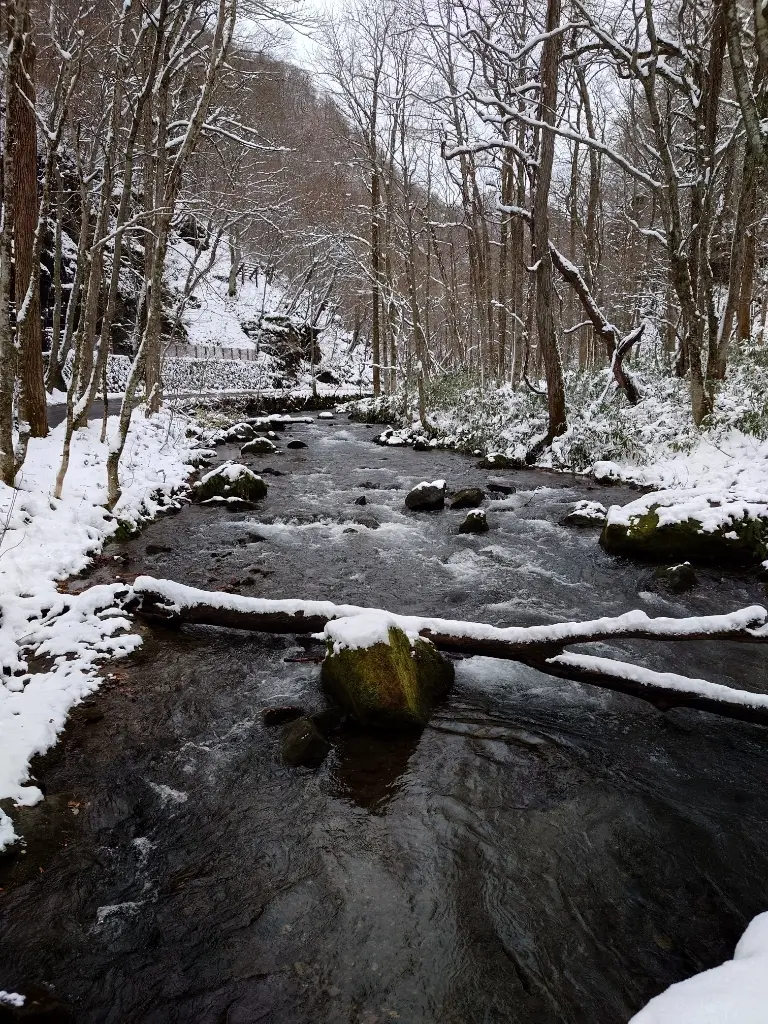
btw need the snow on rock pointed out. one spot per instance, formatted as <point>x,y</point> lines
<point>325,415</point>
<point>44,540</point>
<point>357,632</point>
<point>586,513</point>
<point>736,992</point>
<point>426,497</point>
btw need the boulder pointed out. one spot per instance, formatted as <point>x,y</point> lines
<point>230,480</point>
<point>381,676</point>
<point>422,445</point>
<point>325,415</point>
<point>677,578</point>
<point>742,541</point>
<point>496,460</point>
<point>475,522</point>
<point>362,500</point>
<point>296,444</point>
<point>586,514</point>
<point>239,432</point>
<point>259,446</point>
<point>326,377</point>
<point>499,487</point>
<point>470,497</point>
<point>426,497</point>
<point>302,743</point>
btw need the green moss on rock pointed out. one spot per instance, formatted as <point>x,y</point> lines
<point>744,541</point>
<point>388,685</point>
<point>231,481</point>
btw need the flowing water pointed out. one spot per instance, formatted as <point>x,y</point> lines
<point>543,852</point>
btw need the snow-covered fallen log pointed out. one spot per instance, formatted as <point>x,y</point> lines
<point>541,647</point>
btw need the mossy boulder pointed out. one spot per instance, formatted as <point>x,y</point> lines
<point>741,541</point>
<point>392,684</point>
<point>228,481</point>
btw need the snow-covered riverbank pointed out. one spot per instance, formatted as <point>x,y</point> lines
<point>43,541</point>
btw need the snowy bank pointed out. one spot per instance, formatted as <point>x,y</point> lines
<point>736,992</point>
<point>44,541</point>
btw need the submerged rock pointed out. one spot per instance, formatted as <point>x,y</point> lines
<point>678,578</point>
<point>281,715</point>
<point>302,743</point>
<point>393,682</point>
<point>586,514</point>
<point>368,521</point>
<point>499,487</point>
<point>231,480</point>
<point>644,535</point>
<point>259,446</point>
<point>470,497</point>
<point>426,497</point>
<point>475,522</point>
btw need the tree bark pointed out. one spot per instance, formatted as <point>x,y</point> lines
<point>23,136</point>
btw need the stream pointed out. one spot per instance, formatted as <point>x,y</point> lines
<point>544,852</point>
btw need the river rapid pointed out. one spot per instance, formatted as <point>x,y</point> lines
<point>544,852</point>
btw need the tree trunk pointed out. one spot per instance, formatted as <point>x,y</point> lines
<point>545,293</point>
<point>23,136</point>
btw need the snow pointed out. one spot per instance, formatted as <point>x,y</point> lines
<point>736,992</point>
<point>665,680</point>
<point>11,999</point>
<point>358,632</point>
<point>439,485</point>
<point>44,540</point>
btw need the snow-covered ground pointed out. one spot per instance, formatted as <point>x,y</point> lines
<point>43,541</point>
<point>736,992</point>
<point>215,320</point>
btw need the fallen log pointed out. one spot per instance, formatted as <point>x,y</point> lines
<point>540,647</point>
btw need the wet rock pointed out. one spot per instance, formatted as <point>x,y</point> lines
<point>677,578</point>
<point>268,471</point>
<point>259,446</point>
<point>281,715</point>
<point>475,522</point>
<point>421,445</point>
<point>230,481</point>
<point>497,460</point>
<point>586,514</point>
<point>326,377</point>
<point>302,743</point>
<point>297,444</point>
<point>392,684</point>
<point>499,487</point>
<point>368,486</point>
<point>362,500</point>
<point>426,497</point>
<point>741,540</point>
<point>158,549</point>
<point>470,497</point>
<point>330,720</point>
<point>368,521</point>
